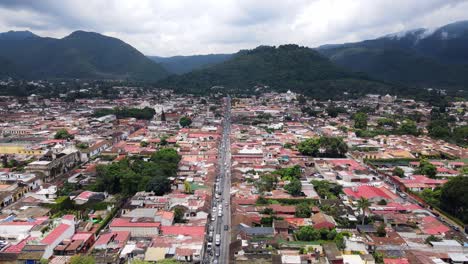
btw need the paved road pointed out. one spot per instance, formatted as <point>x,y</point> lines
<point>220,254</point>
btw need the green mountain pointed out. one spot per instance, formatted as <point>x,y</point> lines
<point>417,57</point>
<point>17,35</point>
<point>79,55</point>
<point>280,68</point>
<point>184,64</point>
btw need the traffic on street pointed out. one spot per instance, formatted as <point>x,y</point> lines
<point>218,239</point>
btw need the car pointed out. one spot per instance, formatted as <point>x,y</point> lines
<point>209,246</point>
<point>217,253</point>
<point>226,227</point>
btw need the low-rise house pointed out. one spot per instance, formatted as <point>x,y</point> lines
<point>372,193</point>
<point>109,245</point>
<point>418,183</point>
<point>321,220</point>
<point>135,227</point>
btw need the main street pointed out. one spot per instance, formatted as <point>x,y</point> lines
<point>221,197</point>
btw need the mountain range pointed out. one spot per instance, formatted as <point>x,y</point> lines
<point>184,64</point>
<point>79,55</point>
<point>300,69</point>
<point>420,57</point>
<point>415,58</point>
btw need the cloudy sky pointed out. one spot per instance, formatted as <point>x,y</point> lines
<point>184,27</point>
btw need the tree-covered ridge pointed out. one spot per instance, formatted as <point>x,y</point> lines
<point>79,55</point>
<point>416,58</point>
<point>300,69</point>
<point>184,64</point>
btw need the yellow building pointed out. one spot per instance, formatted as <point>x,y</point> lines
<point>23,149</point>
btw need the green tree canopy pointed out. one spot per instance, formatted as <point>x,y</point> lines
<point>426,168</point>
<point>332,147</point>
<point>63,134</point>
<point>363,204</point>
<point>454,198</point>
<point>185,121</point>
<point>130,176</point>
<point>294,187</point>
<point>303,210</point>
<point>408,127</point>
<point>266,183</point>
<point>399,172</point>
<point>289,173</point>
<point>360,120</point>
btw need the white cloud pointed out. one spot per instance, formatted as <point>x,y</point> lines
<point>175,27</point>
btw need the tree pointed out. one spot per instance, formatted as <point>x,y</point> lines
<point>262,200</point>
<point>163,116</point>
<point>267,183</point>
<point>144,144</point>
<point>439,128</point>
<point>159,185</point>
<point>179,215</point>
<point>454,198</point>
<point>360,120</point>
<point>432,238</point>
<point>82,259</point>
<point>294,187</point>
<point>63,134</point>
<point>185,121</point>
<point>460,135</point>
<point>301,100</point>
<point>82,145</point>
<point>331,147</point>
<point>267,211</point>
<point>307,233</point>
<point>326,189</point>
<point>427,168</point>
<point>289,173</point>
<point>187,187</point>
<point>381,122</point>
<point>382,202</point>
<point>399,172</point>
<point>381,232</point>
<point>303,210</point>
<point>408,127</point>
<point>363,204</point>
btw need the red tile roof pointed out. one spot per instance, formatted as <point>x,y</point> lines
<point>431,226</point>
<point>85,195</point>
<point>183,230</point>
<point>283,208</point>
<point>18,247</point>
<point>396,261</point>
<point>55,234</point>
<point>82,236</point>
<point>369,192</point>
<point>118,236</point>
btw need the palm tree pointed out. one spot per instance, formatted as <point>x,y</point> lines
<point>364,205</point>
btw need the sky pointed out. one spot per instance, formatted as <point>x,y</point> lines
<point>187,27</point>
